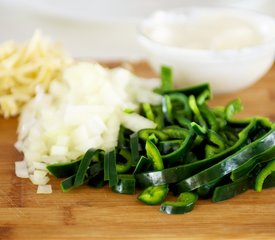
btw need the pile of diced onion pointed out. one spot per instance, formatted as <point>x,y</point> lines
<point>83,109</point>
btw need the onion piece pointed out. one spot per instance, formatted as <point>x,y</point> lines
<point>21,169</point>
<point>136,122</point>
<point>44,189</point>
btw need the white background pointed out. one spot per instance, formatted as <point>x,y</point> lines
<point>98,29</point>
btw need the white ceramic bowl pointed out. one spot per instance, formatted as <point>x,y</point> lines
<point>229,48</point>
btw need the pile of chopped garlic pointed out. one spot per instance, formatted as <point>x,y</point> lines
<point>24,66</point>
<point>82,110</point>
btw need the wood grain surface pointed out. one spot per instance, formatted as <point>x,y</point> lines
<point>87,213</point>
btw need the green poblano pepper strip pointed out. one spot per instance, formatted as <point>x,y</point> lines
<point>154,195</point>
<point>159,117</point>
<point>227,165</point>
<point>110,172</point>
<point>248,166</point>
<point>153,138</point>
<point>203,97</point>
<point>182,120</point>
<point>83,166</point>
<point>121,138</point>
<point>166,78</point>
<point>180,103</point>
<point>134,146</point>
<point>63,170</point>
<point>269,181</point>
<point>185,203</point>
<point>194,90</point>
<point>148,111</point>
<point>231,189</point>
<point>179,154</point>
<point>232,108</point>
<point>167,108</point>
<point>126,184</point>
<point>169,145</point>
<point>146,132</point>
<point>154,155</point>
<point>216,144</point>
<point>209,116</point>
<point>176,174</point>
<point>193,105</point>
<point>142,165</point>
<point>206,191</point>
<point>68,183</point>
<point>199,130</point>
<point>175,132</point>
<point>125,165</point>
<point>264,173</point>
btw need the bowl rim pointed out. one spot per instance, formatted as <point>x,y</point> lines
<point>207,51</point>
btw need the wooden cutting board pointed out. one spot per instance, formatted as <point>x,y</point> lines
<point>86,213</point>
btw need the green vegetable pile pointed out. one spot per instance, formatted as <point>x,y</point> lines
<point>195,152</point>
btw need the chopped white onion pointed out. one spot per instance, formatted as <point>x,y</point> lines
<point>21,169</point>
<point>136,122</point>
<point>44,189</point>
<point>82,110</point>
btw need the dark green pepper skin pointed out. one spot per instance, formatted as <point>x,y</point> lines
<point>154,195</point>
<point>176,174</point>
<point>185,203</point>
<point>126,184</point>
<point>196,90</point>
<point>230,190</point>
<point>63,170</point>
<point>227,165</point>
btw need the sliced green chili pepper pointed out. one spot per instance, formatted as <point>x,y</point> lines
<point>175,132</point>
<point>175,174</point>
<point>154,195</point>
<point>196,111</point>
<point>169,145</point>
<point>134,146</point>
<point>126,184</point>
<point>96,176</point>
<point>179,154</point>
<point>230,190</point>
<point>159,117</point>
<point>110,172</point>
<point>264,173</point>
<point>146,132</point>
<point>227,165</point>
<point>153,138</point>
<point>249,165</point>
<point>180,103</point>
<point>203,97</point>
<point>121,139</point>
<point>68,183</point>
<point>269,181</point>
<point>232,108</point>
<point>166,78</point>
<point>148,111</point>
<point>83,166</point>
<point>194,90</point>
<point>167,108</point>
<point>206,190</point>
<point>199,130</point>
<point>154,155</point>
<point>182,120</point>
<point>124,166</point>
<point>142,165</point>
<point>209,116</point>
<point>216,144</point>
<point>185,203</point>
<point>62,170</point>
